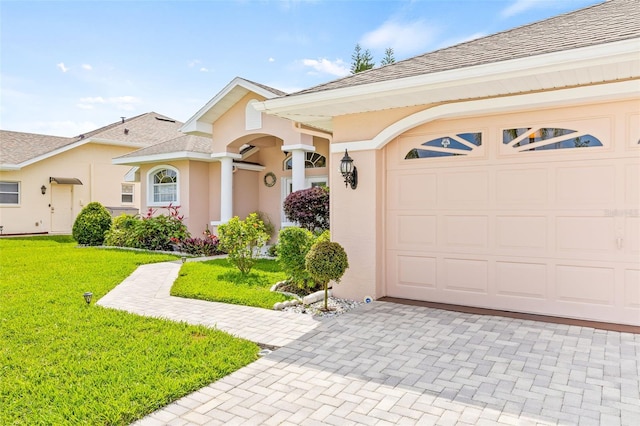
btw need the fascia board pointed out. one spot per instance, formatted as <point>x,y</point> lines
<point>252,167</point>
<point>156,158</point>
<point>100,141</point>
<point>77,144</point>
<point>557,98</point>
<point>626,49</point>
<point>9,167</point>
<point>191,125</point>
<point>53,153</point>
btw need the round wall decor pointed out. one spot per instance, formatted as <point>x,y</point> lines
<point>270,179</point>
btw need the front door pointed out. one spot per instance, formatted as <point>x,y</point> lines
<point>61,209</point>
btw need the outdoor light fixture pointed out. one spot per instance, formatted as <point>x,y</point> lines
<point>184,259</point>
<point>87,297</point>
<point>43,189</point>
<point>349,171</point>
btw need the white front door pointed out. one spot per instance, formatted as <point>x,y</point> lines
<point>287,188</point>
<point>61,209</point>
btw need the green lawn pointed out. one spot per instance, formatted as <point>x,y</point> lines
<point>63,362</point>
<point>218,281</point>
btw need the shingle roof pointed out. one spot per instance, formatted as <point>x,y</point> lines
<point>144,129</point>
<point>149,128</point>
<point>185,143</point>
<point>611,21</point>
<point>17,147</point>
<point>265,87</point>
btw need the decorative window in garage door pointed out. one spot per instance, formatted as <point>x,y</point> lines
<point>546,138</point>
<point>447,146</point>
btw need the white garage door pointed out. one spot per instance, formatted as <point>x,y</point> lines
<point>554,232</point>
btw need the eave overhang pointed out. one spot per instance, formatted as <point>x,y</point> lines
<point>572,68</point>
<point>158,158</point>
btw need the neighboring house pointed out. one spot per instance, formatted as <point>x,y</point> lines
<point>46,180</point>
<point>502,173</point>
<point>233,161</point>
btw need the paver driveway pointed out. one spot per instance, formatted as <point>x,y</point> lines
<point>385,363</point>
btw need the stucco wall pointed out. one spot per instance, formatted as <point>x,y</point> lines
<point>91,163</point>
<point>358,216</point>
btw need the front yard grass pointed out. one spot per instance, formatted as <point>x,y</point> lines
<point>218,281</point>
<point>63,362</point>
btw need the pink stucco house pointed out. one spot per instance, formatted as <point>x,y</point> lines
<point>232,160</point>
<point>502,172</point>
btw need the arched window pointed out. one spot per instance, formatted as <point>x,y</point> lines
<point>545,138</point>
<point>446,146</point>
<point>163,186</point>
<point>312,160</point>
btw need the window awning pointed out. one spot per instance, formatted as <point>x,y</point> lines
<point>65,181</point>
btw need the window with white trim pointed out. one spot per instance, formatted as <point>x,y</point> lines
<point>127,193</point>
<point>163,186</point>
<point>9,193</point>
<point>312,160</point>
<point>447,146</point>
<point>546,138</point>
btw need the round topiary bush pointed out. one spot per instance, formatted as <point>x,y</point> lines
<point>91,224</point>
<point>326,261</point>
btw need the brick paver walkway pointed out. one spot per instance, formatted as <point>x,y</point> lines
<point>385,364</point>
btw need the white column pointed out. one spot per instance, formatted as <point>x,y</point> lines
<point>226,184</point>
<point>298,157</point>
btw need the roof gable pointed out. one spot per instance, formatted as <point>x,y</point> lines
<point>200,123</point>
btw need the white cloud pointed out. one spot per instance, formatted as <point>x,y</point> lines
<point>62,128</point>
<point>520,6</point>
<point>271,60</point>
<point>61,67</point>
<point>87,67</point>
<point>203,69</point>
<point>93,100</point>
<point>404,37</point>
<point>125,103</point>
<point>325,66</point>
<point>193,63</point>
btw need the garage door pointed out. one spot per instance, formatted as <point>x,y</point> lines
<point>544,221</point>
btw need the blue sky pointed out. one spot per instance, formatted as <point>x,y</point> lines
<point>72,66</point>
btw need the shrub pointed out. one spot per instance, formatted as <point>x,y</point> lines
<point>293,245</point>
<point>207,246</point>
<point>149,232</point>
<point>159,232</point>
<point>242,241</point>
<point>309,208</point>
<point>326,261</point>
<point>91,224</point>
<point>121,232</point>
<point>269,228</point>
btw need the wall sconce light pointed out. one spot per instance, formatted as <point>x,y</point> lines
<point>43,189</point>
<point>87,297</point>
<point>349,171</point>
